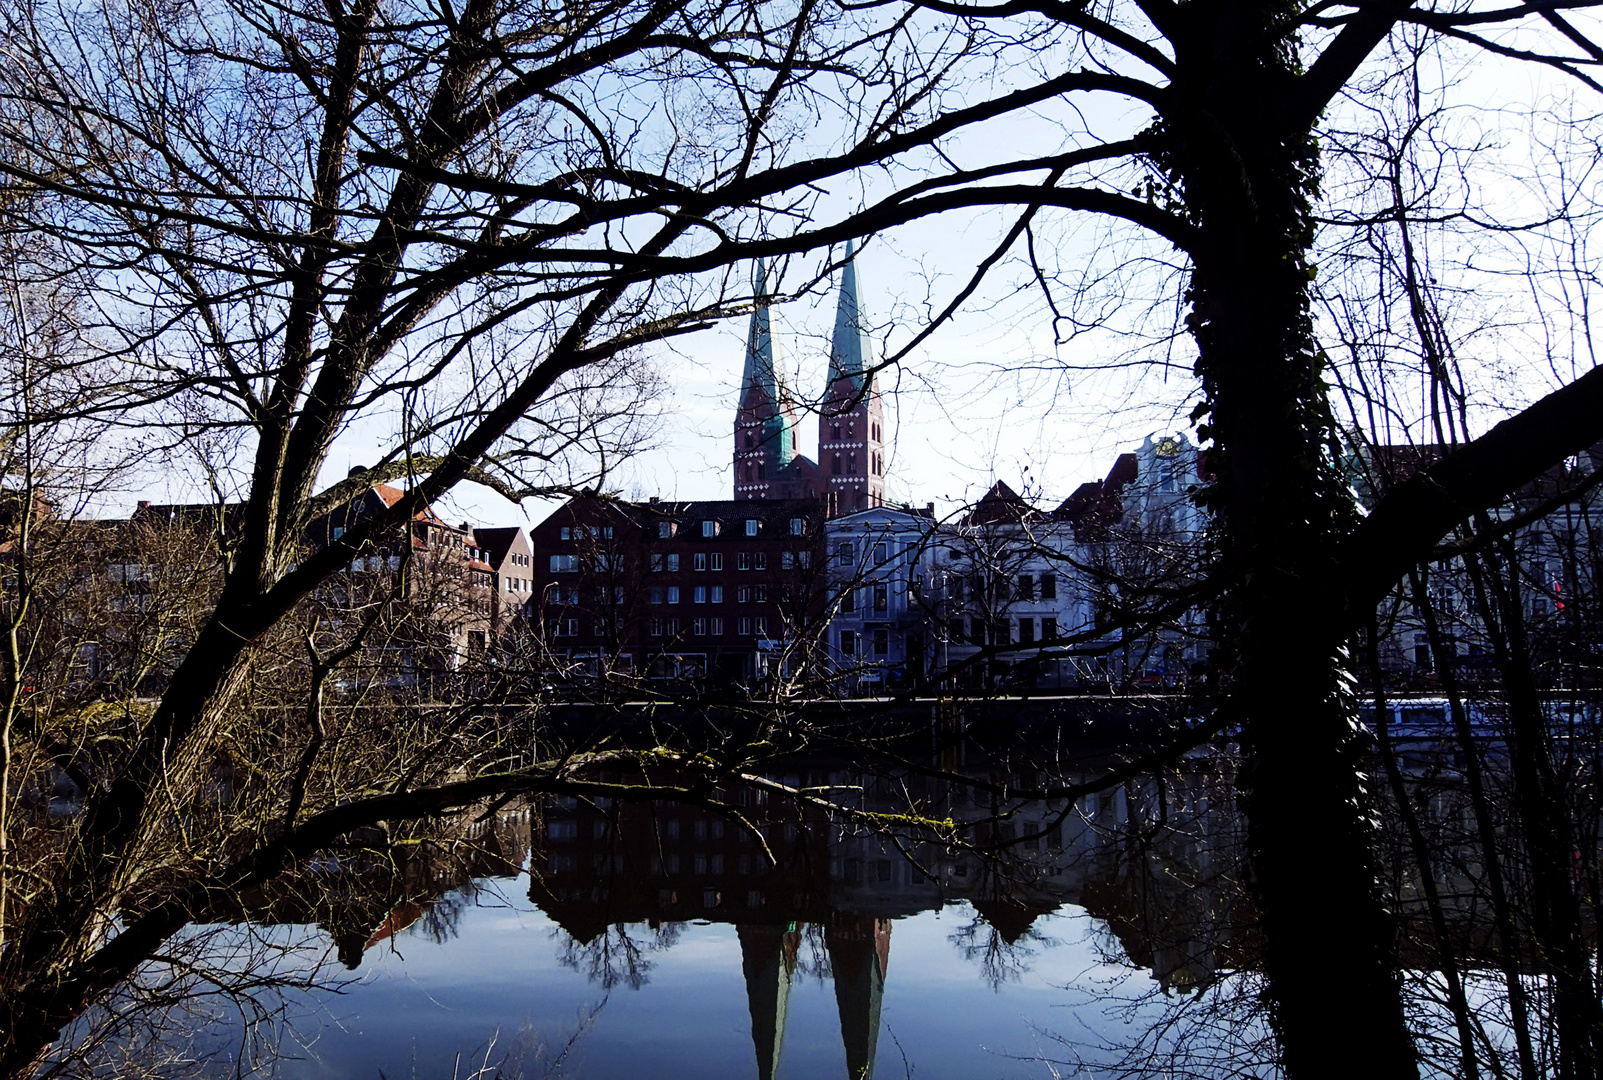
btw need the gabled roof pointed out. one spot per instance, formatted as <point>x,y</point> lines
<point>1001,505</point>
<point>1098,504</point>
<point>496,542</point>
<point>229,516</point>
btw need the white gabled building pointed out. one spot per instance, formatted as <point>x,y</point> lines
<point>1011,595</point>
<point>878,626</point>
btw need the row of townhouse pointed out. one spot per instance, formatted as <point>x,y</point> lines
<point>1013,594</point>
<point>428,596</point>
<point>1089,593</point>
<point>747,590</point>
<point>1537,558</point>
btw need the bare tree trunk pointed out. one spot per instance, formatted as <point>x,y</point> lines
<point>1280,513</point>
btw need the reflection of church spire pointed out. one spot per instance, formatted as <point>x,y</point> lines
<point>859,952</point>
<point>768,958</point>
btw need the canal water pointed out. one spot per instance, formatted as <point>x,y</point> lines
<point>569,938</point>
<point>928,994</point>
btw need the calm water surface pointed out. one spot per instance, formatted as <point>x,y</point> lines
<point>655,940</point>
<point>689,1009</point>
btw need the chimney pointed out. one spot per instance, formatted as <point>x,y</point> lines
<point>655,499</point>
<point>144,504</point>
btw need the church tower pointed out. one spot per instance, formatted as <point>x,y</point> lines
<point>851,421</point>
<point>765,424</point>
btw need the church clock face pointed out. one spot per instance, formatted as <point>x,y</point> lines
<point>1166,447</point>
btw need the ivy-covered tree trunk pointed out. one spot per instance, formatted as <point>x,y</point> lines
<point>1247,182</point>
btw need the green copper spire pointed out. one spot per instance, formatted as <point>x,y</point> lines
<point>765,374</point>
<point>851,351</point>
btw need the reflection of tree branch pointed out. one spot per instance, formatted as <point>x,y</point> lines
<point>1000,961</point>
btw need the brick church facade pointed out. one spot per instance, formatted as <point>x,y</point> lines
<point>849,474</point>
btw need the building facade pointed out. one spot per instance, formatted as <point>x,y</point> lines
<point>849,474</point>
<point>720,591</point>
<point>878,630</point>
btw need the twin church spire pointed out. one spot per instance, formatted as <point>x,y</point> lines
<point>850,471</point>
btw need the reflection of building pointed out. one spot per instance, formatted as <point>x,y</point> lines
<point>859,954</point>
<point>365,898</point>
<point>768,961</point>
<point>835,890</point>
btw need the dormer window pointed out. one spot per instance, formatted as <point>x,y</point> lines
<point>709,528</point>
<point>751,526</point>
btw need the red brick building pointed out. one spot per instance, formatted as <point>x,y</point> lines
<point>726,591</point>
<point>850,471</point>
